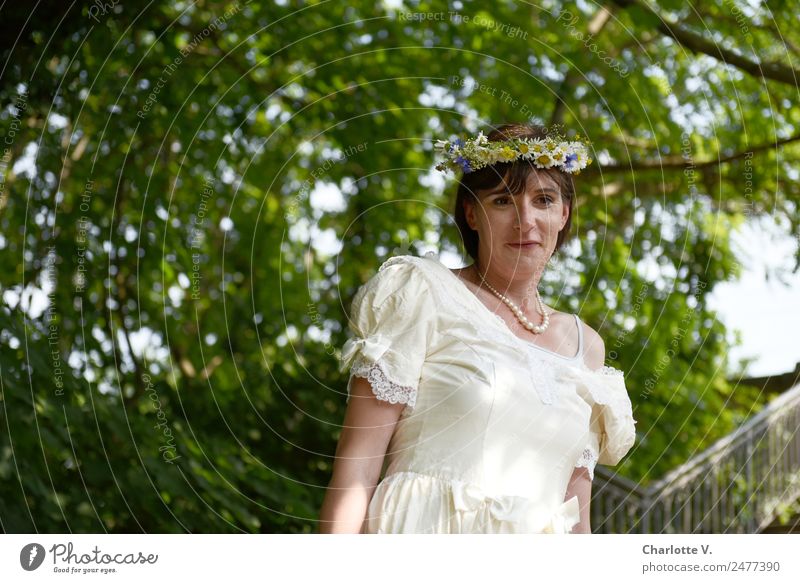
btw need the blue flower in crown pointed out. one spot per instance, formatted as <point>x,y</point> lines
<point>464,163</point>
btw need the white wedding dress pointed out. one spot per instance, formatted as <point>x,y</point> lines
<point>493,425</point>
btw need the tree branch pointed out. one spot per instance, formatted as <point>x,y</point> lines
<point>595,26</point>
<point>769,27</point>
<point>138,385</point>
<point>679,162</point>
<point>122,296</point>
<point>695,42</point>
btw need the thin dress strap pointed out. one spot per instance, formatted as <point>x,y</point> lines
<point>580,337</point>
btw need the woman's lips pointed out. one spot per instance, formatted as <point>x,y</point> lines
<point>522,245</point>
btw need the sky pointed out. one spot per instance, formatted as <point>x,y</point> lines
<point>767,312</point>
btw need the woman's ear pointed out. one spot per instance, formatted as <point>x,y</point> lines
<point>566,210</point>
<point>469,214</point>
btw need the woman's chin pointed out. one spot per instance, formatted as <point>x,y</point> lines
<point>524,253</point>
<point>523,262</point>
<point>524,249</point>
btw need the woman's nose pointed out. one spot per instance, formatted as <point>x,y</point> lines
<point>526,216</point>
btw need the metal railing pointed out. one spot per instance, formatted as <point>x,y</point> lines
<point>735,486</point>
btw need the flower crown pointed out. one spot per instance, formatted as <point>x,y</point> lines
<point>550,152</point>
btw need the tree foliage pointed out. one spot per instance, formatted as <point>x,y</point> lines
<point>176,264</point>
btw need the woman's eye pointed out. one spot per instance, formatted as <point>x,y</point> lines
<point>506,200</point>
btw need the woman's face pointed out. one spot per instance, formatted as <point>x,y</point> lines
<point>517,233</point>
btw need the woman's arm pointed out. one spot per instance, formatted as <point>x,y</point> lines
<point>580,485</point>
<point>368,427</point>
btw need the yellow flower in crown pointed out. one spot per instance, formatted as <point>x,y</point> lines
<point>507,154</point>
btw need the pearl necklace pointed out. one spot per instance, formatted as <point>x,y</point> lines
<point>523,319</point>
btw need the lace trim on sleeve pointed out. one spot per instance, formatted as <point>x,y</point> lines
<point>587,460</point>
<point>610,398</point>
<point>382,386</point>
<point>610,371</point>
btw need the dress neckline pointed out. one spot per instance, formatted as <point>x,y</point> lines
<point>502,323</point>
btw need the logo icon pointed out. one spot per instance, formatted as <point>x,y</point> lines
<point>31,556</point>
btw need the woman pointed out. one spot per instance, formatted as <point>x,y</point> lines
<point>486,408</point>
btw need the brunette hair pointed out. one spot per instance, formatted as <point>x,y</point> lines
<point>514,175</point>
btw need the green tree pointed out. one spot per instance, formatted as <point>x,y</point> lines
<point>165,173</point>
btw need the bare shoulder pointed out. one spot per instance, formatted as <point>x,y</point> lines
<point>594,349</point>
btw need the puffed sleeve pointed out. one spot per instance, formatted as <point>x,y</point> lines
<point>392,319</point>
<point>612,427</point>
